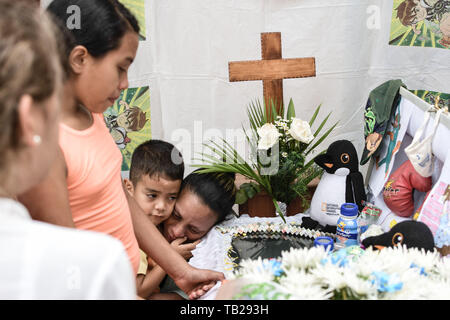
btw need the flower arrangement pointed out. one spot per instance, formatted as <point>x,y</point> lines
<point>392,273</point>
<point>278,154</point>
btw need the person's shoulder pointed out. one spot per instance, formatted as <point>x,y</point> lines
<point>82,244</point>
<point>94,264</point>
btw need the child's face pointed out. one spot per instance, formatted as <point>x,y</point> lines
<point>100,80</point>
<point>156,196</point>
<point>191,218</point>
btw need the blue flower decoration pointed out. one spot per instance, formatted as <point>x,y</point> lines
<point>421,269</point>
<point>342,257</point>
<point>386,282</point>
<point>275,266</point>
<point>339,258</point>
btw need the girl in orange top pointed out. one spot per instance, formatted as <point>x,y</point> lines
<point>96,196</point>
<point>84,188</point>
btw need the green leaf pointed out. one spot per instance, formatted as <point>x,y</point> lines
<point>313,118</point>
<point>291,110</point>
<point>277,207</point>
<point>274,110</point>
<point>241,197</point>
<point>321,139</point>
<point>250,141</point>
<point>251,192</point>
<point>306,167</point>
<point>255,117</point>
<point>262,111</point>
<point>256,186</point>
<point>238,165</point>
<point>293,174</point>
<point>322,124</point>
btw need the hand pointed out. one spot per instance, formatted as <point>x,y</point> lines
<point>185,250</point>
<point>196,282</point>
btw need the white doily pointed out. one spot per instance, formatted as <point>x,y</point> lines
<point>211,252</point>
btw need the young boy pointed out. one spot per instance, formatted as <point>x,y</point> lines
<point>156,173</point>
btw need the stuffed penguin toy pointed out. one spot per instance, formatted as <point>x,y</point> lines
<point>340,183</point>
<point>412,234</point>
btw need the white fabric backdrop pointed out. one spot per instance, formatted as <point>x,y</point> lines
<point>189,44</point>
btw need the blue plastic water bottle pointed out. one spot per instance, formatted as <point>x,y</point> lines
<point>347,226</point>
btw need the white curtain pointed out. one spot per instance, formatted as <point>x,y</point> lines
<point>191,43</point>
<point>185,59</point>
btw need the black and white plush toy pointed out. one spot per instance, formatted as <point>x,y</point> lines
<point>412,234</point>
<point>340,183</point>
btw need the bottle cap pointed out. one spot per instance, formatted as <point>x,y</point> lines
<point>349,209</point>
<point>326,242</point>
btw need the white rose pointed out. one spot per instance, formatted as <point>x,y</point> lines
<point>268,136</point>
<point>301,131</point>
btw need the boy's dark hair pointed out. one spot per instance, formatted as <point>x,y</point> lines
<point>216,190</point>
<point>103,24</point>
<point>156,158</point>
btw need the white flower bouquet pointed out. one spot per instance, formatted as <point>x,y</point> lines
<point>350,273</point>
<point>279,149</point>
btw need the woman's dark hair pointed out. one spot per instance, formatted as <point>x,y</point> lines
<point>102,25</point>
<point>216,190</point>
<point>156,158</point>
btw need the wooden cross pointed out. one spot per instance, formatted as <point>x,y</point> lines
<point>272,69</point>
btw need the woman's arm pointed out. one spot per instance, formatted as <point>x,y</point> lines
<point>148,283</point>
<point>49,200</point>
<point>195,282</point>
<point>166,296</point>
